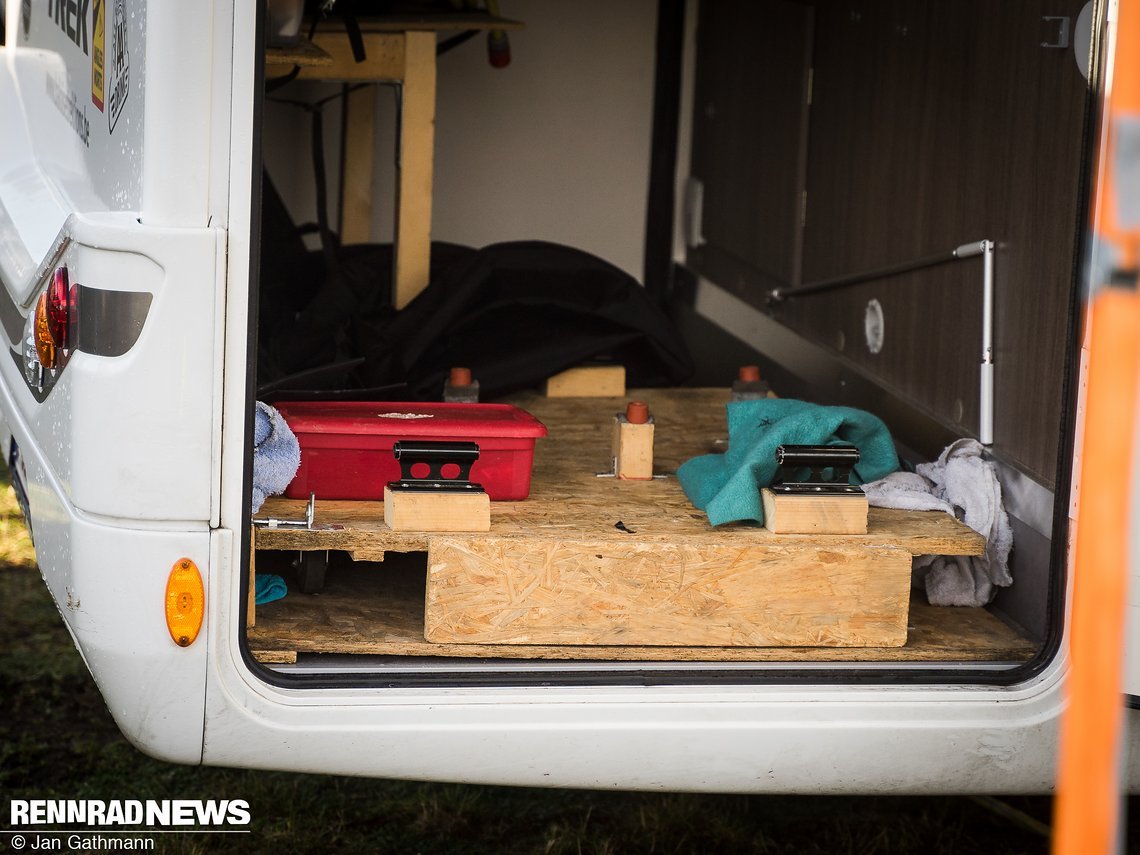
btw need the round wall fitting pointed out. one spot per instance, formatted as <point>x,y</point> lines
<point>873,325</point>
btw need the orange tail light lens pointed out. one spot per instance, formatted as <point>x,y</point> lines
<point>185,602</point>
<point>45,341</point>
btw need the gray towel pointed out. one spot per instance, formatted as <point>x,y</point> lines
<point>276,454</point>
<point>961,482</point>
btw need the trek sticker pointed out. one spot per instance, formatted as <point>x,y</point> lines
<point>86,62</point>
<point>98,39</point>
<point>71,17</point>
<point>119,78</point>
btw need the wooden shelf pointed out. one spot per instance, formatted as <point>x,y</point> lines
<point>311,54</point>
<point>407,22</point>
<point>643,537</point>
<point>379,609</point>
<point>304,54</point>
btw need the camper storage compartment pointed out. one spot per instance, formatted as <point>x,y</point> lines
<point>591,567</point>
<point>346,446</point>
<point>833,259</point>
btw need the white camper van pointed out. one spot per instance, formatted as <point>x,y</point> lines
<point>881,205</point>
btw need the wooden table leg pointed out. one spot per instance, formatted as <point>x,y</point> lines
<point>358,166</point>
<point>414,184</point>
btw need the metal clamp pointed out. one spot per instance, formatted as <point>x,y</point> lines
<point>435,455</point>
<point>816,459</point>
<point>306,523</point>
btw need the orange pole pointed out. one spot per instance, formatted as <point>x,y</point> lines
<point>1088,777</point>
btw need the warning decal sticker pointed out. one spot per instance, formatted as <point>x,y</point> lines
<point>98,38</point>
<point>120,66</point>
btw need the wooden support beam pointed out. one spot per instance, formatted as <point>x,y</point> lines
<point>414,182</point>
<point>357,167</point>
<point>384,58</point>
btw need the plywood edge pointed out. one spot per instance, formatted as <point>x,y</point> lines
<point>918,532</point>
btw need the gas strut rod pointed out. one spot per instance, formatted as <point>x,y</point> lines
<point>984,248</point>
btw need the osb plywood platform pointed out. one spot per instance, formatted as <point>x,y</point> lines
<point>370,609</point>
<point>569,502</point>
<point>591,563</point>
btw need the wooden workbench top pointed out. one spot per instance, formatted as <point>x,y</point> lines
<point>568,501</point>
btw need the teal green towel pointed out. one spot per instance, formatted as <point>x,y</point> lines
<point>727,486</point>
<point>269,588</point>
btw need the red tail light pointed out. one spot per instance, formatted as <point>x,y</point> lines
<point>53,322</point>
<point>60,301</point>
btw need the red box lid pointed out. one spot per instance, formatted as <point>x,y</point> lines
<point>430,418</point>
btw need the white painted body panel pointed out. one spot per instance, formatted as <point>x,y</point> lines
<point>727,738</point>
<point>120,459</point>
<point>76,156</point>
<point>125,440</point>
<point>109,582</point>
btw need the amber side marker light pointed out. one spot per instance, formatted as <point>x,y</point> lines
<point>45,343</point>
<point>185,602</point>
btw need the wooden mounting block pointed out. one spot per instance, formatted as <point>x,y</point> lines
<point>821,514</point>
<point>408,510</point>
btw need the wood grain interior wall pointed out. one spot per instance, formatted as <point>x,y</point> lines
<point>931,124</point>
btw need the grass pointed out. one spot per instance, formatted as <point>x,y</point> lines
<point>58,741</point>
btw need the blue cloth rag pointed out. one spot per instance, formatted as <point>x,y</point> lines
<point>268,588</point>
<point>727,486</point>
<point>276,454</point>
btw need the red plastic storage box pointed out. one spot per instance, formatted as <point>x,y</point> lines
<point>346,446</point>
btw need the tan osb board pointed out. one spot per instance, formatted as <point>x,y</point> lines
<point>378,610</point>
<point>568,500</point>
<point>819,514</point>
<point>507,591</point>
<point>587,381</point>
